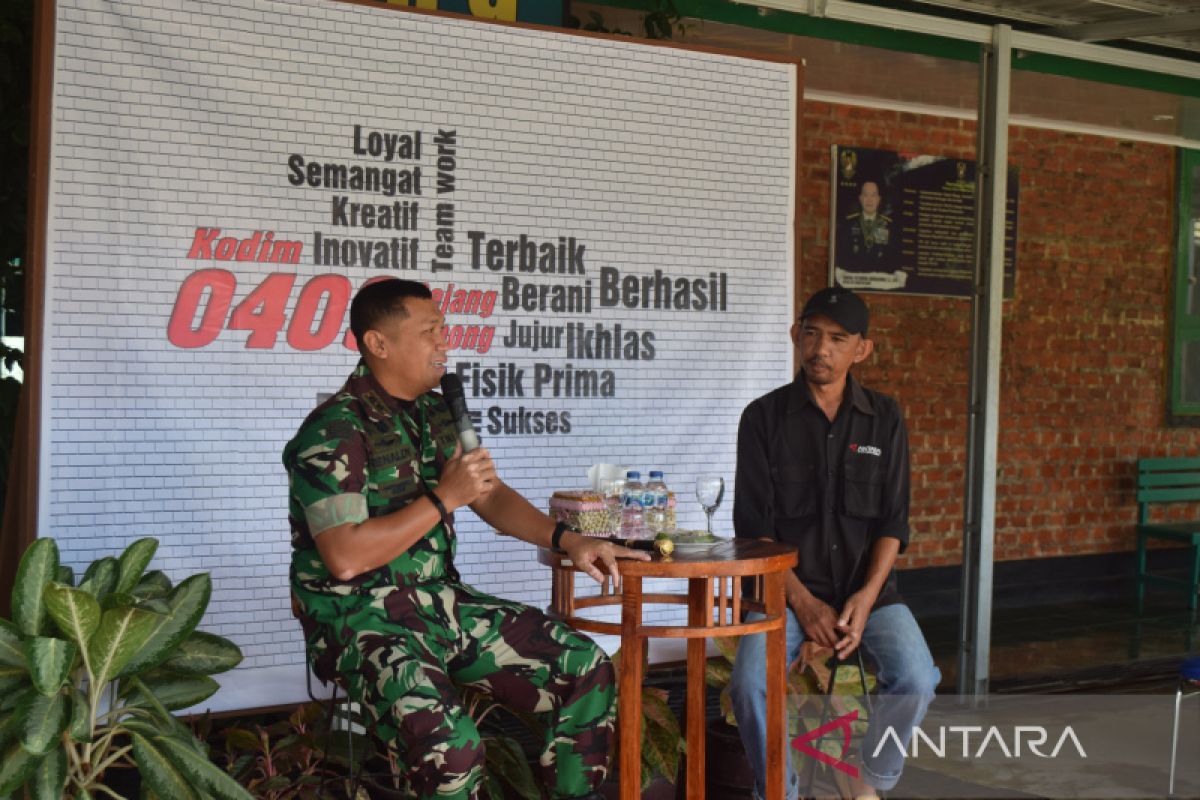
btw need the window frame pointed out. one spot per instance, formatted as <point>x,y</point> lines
<point>1185,327</point>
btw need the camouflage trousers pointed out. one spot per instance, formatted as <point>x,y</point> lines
<point>404,651</point>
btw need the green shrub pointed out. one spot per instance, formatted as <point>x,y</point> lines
<point>90,672</point>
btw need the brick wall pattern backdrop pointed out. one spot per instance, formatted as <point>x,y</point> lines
<point>1085,339</point>
<point>178,364</point>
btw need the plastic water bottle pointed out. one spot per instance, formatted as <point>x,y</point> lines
<point>654,502</point>
<point>633,523</point>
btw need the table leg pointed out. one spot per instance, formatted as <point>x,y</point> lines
<point>629,688</point>
<point>776,682</point>
<point>699,616</point>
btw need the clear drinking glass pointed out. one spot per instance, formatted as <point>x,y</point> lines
<point>612,489</point>
<point>710,490</point>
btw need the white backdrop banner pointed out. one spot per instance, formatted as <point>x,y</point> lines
<point>608,226</point>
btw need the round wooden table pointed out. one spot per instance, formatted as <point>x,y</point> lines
<point>715,603</point>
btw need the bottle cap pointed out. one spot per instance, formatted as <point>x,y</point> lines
<point>633,473</point>
<point>655,473</point>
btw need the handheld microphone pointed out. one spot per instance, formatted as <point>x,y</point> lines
<point>452,391</point>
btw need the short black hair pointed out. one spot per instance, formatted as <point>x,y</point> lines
<point>379,300</point>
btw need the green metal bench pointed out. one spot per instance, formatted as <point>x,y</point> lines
<point>1167,480</point>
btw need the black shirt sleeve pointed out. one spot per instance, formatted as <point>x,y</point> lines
<point>893,519</point>
<point>753,516</point>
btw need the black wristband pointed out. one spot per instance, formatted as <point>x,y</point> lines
<point>560,528</point>
<point>437,503</point>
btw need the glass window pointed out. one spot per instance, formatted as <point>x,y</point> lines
<point>1185,372</point>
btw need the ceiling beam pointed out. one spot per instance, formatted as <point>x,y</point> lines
<point>1128,28</point>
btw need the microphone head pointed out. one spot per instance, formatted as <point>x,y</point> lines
<point>451,385</point>
<point>452,393</point>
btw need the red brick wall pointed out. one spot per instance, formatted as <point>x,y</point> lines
<point>1085,343</point>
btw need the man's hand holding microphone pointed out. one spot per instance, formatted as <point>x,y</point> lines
<point>470,477</point>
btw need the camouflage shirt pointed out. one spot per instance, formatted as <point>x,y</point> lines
<point>363,453</point>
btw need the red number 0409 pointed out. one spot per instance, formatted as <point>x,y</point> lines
<point>202,311</point>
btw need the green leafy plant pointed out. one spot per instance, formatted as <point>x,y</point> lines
<point>294,758</point>
<point>90,672</point>
<point>301,757</point>
<point>807,680</point>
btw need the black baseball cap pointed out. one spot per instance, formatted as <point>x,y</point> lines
<point>841,305</point>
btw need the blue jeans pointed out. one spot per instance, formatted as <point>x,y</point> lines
<point>906,678</point>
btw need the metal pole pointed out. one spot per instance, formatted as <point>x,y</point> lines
<point>983,412</point>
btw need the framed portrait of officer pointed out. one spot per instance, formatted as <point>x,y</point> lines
<point>906,223</point>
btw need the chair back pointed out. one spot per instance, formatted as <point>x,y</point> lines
<point>1166,480</point>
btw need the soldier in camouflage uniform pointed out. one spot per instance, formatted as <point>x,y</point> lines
<point>865,239</point>
<point>375,474</point>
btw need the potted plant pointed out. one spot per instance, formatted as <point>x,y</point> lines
<point>662,740</point>
<point>90,672</point>
<point>807,681</point>
<point>294,757</point>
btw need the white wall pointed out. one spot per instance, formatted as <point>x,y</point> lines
<point>173,118</point>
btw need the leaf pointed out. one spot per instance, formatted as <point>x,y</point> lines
<point>660,753</point>
<point>118,600</point>
<point>120,637</point>
<point>75,612</point>
<point>657,712</point>
<point>50,777</point>
<point>50,662</point>
<point>65,576</point>
<point>16,765</point>
<point>153,584</point>
<point>242,739</point>
<point>662,739</point>
<point>144,727</point>
<point>133,563</point>
<point>506,761</point>
<point>717,674</point>
<point>10,729</point>
<point>155,604</point>
<point>727,646</point>
<point>11,680</point>
<point>173,691</point>
<point>158,773</point>
<point>100,577</point>
<point>204,654</point>
<point>159,725</point>
<point>200,771</point>
<point>45,718</point>
<point>494,790</point>
<point>187,601</point>
<point>275,782</point>
<point>38,567</point>
<point>12,648</point>
<point>79,722</point>
<point>239,767</point>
